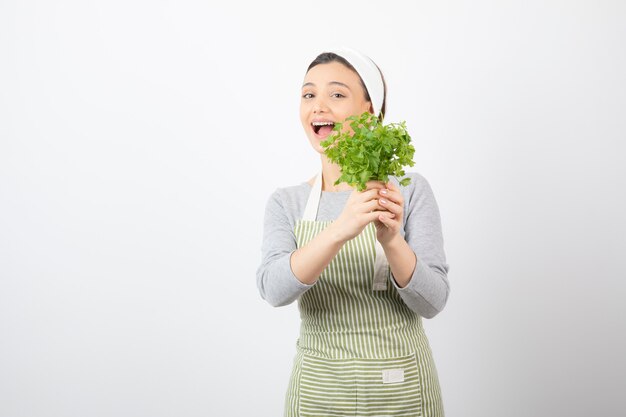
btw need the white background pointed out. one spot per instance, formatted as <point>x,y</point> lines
<point>140,140</point>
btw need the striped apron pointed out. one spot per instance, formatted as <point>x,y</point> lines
<point>361,350</point>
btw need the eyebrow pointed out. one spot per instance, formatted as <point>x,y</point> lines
<point>330,83</point>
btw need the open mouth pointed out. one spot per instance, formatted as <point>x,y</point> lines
<point>323,128</point>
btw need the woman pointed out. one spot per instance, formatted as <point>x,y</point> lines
<point>365,267</point>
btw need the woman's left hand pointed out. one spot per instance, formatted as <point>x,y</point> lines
<point>391,199</point>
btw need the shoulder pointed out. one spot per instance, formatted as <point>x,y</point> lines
<point>418,181</point>
<point>416,188</point>
<point>290,193</point>
<point>289,200</point>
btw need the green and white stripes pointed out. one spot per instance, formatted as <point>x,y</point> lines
<point>353,387</point>
<point>342,317</point>
<point>350,334</point>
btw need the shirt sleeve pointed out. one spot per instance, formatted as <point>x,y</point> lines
<point>428,289</point>
<point>276,281</point>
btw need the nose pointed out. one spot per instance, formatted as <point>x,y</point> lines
<point>319,106</point>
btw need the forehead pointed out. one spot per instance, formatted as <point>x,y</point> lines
<point>322,74</point>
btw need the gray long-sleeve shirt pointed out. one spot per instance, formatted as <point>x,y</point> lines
<point>428,289</point>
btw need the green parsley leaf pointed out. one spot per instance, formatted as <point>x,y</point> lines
<point>373,152</point>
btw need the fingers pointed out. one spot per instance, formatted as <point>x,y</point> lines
<point>374,185</point>
<point>371,206</point>
<point>390,205</point>
<point>380,203</point>
<point>377,214</point>
<point>392,193</point>
<point>388,220</point>
<point>367,195</point>
<point>392,186</point>
<point>380,195</point>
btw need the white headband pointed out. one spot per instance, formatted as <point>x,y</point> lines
<point>369,73</point>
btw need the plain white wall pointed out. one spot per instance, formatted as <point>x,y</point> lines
<point>140,140</point>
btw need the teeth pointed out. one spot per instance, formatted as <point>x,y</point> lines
<point>322,123</point>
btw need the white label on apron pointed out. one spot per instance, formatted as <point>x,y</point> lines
<point>391,376</point>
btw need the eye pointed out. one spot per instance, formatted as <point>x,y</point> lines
<point>307,95</point>
<point>337,95</point>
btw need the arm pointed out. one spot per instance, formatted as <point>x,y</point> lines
<point>286,272</point>
<point>276,281</point>
<point>417,261</point>
<point>310,260</point>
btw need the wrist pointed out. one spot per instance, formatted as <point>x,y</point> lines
<point>393,243</point>
<point>335,235</point>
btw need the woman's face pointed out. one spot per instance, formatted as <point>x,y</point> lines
<point>330,93</point>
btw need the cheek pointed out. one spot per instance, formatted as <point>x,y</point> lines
<point>303,114</point>
<point>356,108</point>
<point>364,107</point>
<point>304,119</point>
<point>305,108</point>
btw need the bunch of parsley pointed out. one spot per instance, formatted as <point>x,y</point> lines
<point>373,151</point>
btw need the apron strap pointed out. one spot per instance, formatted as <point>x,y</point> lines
<point>381,269</point>
<point>310,211</point>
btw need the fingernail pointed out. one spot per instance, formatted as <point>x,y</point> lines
<point>382,200</point>
<point>383,191</point>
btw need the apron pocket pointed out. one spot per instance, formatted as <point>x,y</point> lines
<point>327,387</point>
<point>388,387</point>
<point>360,387</point>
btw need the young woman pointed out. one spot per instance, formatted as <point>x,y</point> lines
<point>365,267</point>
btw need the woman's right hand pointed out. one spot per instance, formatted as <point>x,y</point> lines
<point>361,208</point>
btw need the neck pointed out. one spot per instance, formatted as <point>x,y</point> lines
<point>331,172</point>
